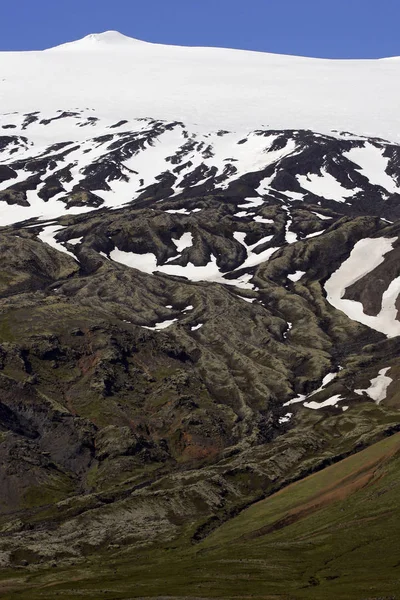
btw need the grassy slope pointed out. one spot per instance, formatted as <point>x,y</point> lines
<point>334,535</point>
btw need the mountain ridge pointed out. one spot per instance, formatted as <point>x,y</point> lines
<point>113,36</point>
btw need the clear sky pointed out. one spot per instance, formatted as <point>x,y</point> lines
<point>321,28</point>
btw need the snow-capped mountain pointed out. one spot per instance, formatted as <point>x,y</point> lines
<point>199,250</point>
<point>96,136</point>
<point>123,78</point>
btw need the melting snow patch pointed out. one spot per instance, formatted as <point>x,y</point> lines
<point>378,388</point>
<point>315,234</point>
<point>373,165</point>
<point>178,211</point>
<point>144,262</point>
<point>196,327</point>
<point>262,220</point>
<point>75,241</point>
<point>240,237</point>
<point>186,241</point>
<point>366,255</point>
<point>329,402</point>
<point>299,398</point>
<point>250,300</point>
<point>327,379</point>
<point>289,327</point>
<point>210,272</point>
<point>322,217</point>
<point>326,186</point>
<point>161,325</point>
<point>296,276</point>
<point>48,237</point>
<point>290,236</point>
<point>252,203</point>
<point>242,214</point>
<point>286,418</point>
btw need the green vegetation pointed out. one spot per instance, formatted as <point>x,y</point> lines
<point>331,536</point>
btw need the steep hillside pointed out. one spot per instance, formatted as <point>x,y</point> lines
<point>332,535</point>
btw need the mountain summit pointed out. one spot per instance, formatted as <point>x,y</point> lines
<point>212,88</point>
<point>94,41</point>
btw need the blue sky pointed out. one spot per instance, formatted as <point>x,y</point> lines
<point>323,28</point>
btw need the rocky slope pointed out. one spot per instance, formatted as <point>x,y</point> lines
<point>190,320</point>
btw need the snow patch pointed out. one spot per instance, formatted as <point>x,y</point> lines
<point>286,418</point>
<point>332,401</point>
<point>185,241</point>
<point>373,165</point>
<point>378,388</point>
<point>366,255</point>
<point>47,235</point>
<point>325,185</point>
<point>296,276</point>
<point>161,325</point>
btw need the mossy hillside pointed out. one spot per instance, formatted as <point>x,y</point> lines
<point>193,500</point>
<point>168,434</point>
<point>332,536</point>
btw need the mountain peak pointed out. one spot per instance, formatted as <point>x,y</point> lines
<point>107,39</point>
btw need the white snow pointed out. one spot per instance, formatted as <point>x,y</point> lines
<point>249,300</point>
<point>325,185</point>
<point>259,219</point>
<point>161,325</point>
<point>185,241</point>
<point>143,262</point>
<point>322,217</point>
<point>214,87</point>
<point>289,328</point>
<point>378,388</point>
<point>296,276</point>
<point>327,379</point>
<point>290,236</point>
<point>243,213</point>
<point>75,241</point>
<point>366,255</point>
<point>332,401</point>
<point>286,418</point>
<point>240,236</point>
<point>315,405</point>
<point>47,235</point>
<point>210,272</point>
<point>196,327</point>
<point>37,208</point>
<point>315,234</point>
<point>252,203</point>
<point>299,398</point>
<point>373,165</point>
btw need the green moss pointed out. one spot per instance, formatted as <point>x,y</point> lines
<point>332,536</point>
<point>6,330</point>
<point>51,491</point>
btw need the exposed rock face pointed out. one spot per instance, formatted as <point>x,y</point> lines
<point>150,354</point>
